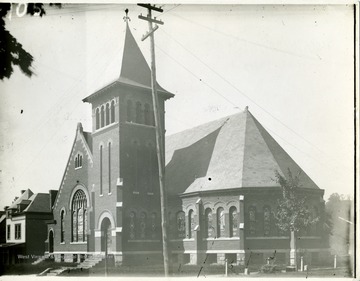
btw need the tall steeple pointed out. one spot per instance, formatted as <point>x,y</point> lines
<point>134,68</point>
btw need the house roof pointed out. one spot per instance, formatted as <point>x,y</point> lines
<point>24,196</point>
<point>134,69</point>
<point>228,153</point>
<point>40,203</point>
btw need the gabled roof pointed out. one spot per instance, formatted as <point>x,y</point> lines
<point>24,196</point>
<point>135,71</point>
<point>232,152</point>
<point>86,141</point>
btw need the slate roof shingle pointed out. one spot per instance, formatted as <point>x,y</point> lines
<point>228,153</point>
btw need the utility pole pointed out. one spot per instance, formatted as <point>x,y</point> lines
<point>158,128</point>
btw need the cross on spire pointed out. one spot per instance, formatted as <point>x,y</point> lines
<point>126,18</point>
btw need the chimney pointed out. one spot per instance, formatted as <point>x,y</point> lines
<point>52,194</point>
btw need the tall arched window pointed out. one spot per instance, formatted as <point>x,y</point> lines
<point>220,217</point>
<point>102,117</point>
<point>252,220</point>
<point>62,231</point>
<point>143,225</point>
<point>233,217</point>
<point>129,111</point>
<point>191,223</point>
<point>136,164</point>
<point>209,228</point>
<point>267,221</point>
<point>132,224</point>
<point>78,209</point>
<point>112,112</point>
<point>85,225</point>
<point>107,114</point>
<point>180,222</point>
<point>101,169</point>
<point>97,118</point>
<point>109,162</point>
<point>138,113</point>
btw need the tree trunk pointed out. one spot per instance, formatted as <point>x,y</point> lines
<point>293,261</point>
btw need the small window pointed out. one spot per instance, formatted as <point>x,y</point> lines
<point>17,231</point>
<point>107,114</point>
<point>142,225</point>
<point>129,111</point>
<point>180,221</point>
<point>102,117</point>
<point>132,224</point>
<point>8,232</point>
<point>97,117</point>
<point>112,111</point>
<point>78,161</point>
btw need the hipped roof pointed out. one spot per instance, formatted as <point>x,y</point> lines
<point>229,153</point>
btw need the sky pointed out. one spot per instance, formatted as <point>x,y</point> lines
<point>292,65</point>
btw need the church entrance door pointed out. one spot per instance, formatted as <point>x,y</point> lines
<point>106,236</point>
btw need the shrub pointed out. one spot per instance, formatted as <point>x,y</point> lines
<point>270,268</point>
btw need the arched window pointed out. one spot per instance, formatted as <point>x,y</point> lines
<point>101,169</point>
<point>233,217</point>
<point>85,225</point>
<point>252,220</point>
<point>78,161</point>
<point>129,111</point>
<point>107,114</point>
<point>220,217</point>
<point>136,164</point>
<point>153,225</point>
<point>132,224</point>
<point>62,231</point>
<point>78,208</point>
<point>209,228</point>
<point>191,223</point>
<point>109,162</point>
<point>147,117</point>
<point>97,118</point>
<point>102,117</point>
<point>267,221</point>
<point>143,225</point>
<point>138,113</point>
<point>180,221</point>
<point>112,112</point>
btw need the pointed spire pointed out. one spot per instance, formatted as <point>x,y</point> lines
<point>134,67</point>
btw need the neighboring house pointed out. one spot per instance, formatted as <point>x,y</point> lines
<point>26,226</point>
<point>219,182</point>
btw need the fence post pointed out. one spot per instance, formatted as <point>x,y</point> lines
<point>334,261</point>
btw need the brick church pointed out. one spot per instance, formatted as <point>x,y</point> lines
<point>219,184</point>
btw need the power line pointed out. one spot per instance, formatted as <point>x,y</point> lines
<point>242,93</point>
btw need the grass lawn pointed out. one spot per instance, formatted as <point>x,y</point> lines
<point>29,269</point>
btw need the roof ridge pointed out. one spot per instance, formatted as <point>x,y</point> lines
<point>207,123</point>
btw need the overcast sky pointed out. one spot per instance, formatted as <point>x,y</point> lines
<point>292,65</point>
